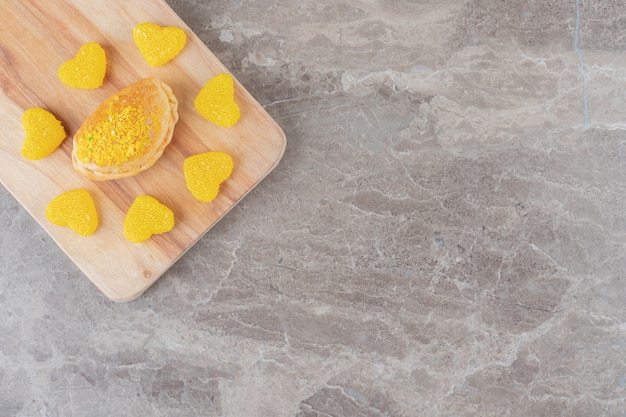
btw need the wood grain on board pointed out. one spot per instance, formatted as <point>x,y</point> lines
<point>35,39</point>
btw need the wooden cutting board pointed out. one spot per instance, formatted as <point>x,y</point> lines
<point>36,37</point>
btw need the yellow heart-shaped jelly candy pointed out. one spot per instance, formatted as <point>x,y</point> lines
<point>74,209</point>
<point>205,172</point>
<point>158,45</point>
<point>44,133</point>
<point>216,101</point>
<point>87,69</point>
<point>146,217</point>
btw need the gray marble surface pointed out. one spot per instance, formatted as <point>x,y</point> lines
<point>444,236</point>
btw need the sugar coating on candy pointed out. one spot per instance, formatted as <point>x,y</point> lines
<point>44,133</point>
<point>216,101</point>
<point>87,69</point>
<point>205,172</point>
<point>158,45</point>
<point>146,217</point>
<point>119,137</point>
<point>74,209</point>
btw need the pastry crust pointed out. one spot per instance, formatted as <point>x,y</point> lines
<point>127,133</point>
